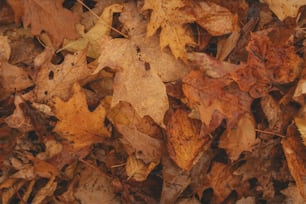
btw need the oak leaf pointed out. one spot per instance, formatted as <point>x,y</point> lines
<point>171,18</point>
<point>76,123</point>
<point>57,80</point>
<point>215,99</point>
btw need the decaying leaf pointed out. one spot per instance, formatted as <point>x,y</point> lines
<point>216,99</point>
<point>208,16</point>
<point>170,16</point>
<point>12,78</point>
<point>137,169</point>
<point>90,40</point>
<point>184,139</point>
<point>48,16</point>
<point>293,194</point>
<point>95,187</point>
<point>57,80</point>
<point>240,138</point>
<point>175,180</point>
<point>295,153</point>
<point>285,8</point>
<point>76,123</point>
<point>45,191</point>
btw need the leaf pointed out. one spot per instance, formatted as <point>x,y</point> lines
<point>171,18</point>
<point>137,79</point>
<point>92,37</point>
<point>293,194</point>
<point>51,17</point>
<point>57,80</point>
<point>137,169</point>
<point>12,78</point>
<point>208,16</point>
<point>184,141</point>
<point>175,181</point>
<point>45,191</point>
<point>283,8</point>
<point>301,124</point>
<point>215,99</point>
<point>76,123</point>
<point>144,147</point>
<point>295,153</point>
<point>95,187</point>
<point>239,139</point>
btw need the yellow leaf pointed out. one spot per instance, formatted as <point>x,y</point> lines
<point>77,124</point>
<point>92,37</point>
<point>301,124</point>
<point>137,169</point>
<point>169,16</point>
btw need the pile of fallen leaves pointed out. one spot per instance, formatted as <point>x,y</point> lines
<point>152,101</point>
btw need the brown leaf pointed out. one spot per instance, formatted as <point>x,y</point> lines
<point>175,180</point>
<point>49,16</point>
<point>208,16</point>
<point>45,191</point>
<point>95,187</point>
<point>57,80</point>
<point>144,147</point>
<point>171,18</point>
<point>76,123</point>
<point>184,140</point>
<point>295,153</point>
<point>215,98</point>
<point>239,139</point>
<point>137,169</point>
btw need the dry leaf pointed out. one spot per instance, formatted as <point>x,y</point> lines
<point>293,195</point>
<point>216,99</point>
<point>240,138</point>
<point>12,78</point>
<point>76,123</point>
<point>171,18</point>
<point>184,141</point>
<point>57,80</point>
<point>137,169</point>
<point>91,39</point>
<point>144,147</point>
<point>95,187</point>
<point>208,16</point>
<point>18,119</point>
<point>284,8</point>
<point>45,191</point>
<point>295,153</point>
<point>51,17</point>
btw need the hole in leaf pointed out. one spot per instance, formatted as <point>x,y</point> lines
<point>51,75</point>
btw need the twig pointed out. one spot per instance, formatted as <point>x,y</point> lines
<point>270,133</point>
<point>93,13</point>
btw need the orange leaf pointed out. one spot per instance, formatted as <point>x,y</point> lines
<point>77,124</point>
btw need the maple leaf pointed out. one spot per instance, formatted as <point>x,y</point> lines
<point>216,99</point>
<point>48,16</point>
<point>76,123</point>
<point>184,142</point>
<point>92,37</point>
<point>171,18</point>
<point>138,78</point>
<point>57,80</point>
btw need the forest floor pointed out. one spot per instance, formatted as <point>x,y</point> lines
<point>152,101</point>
